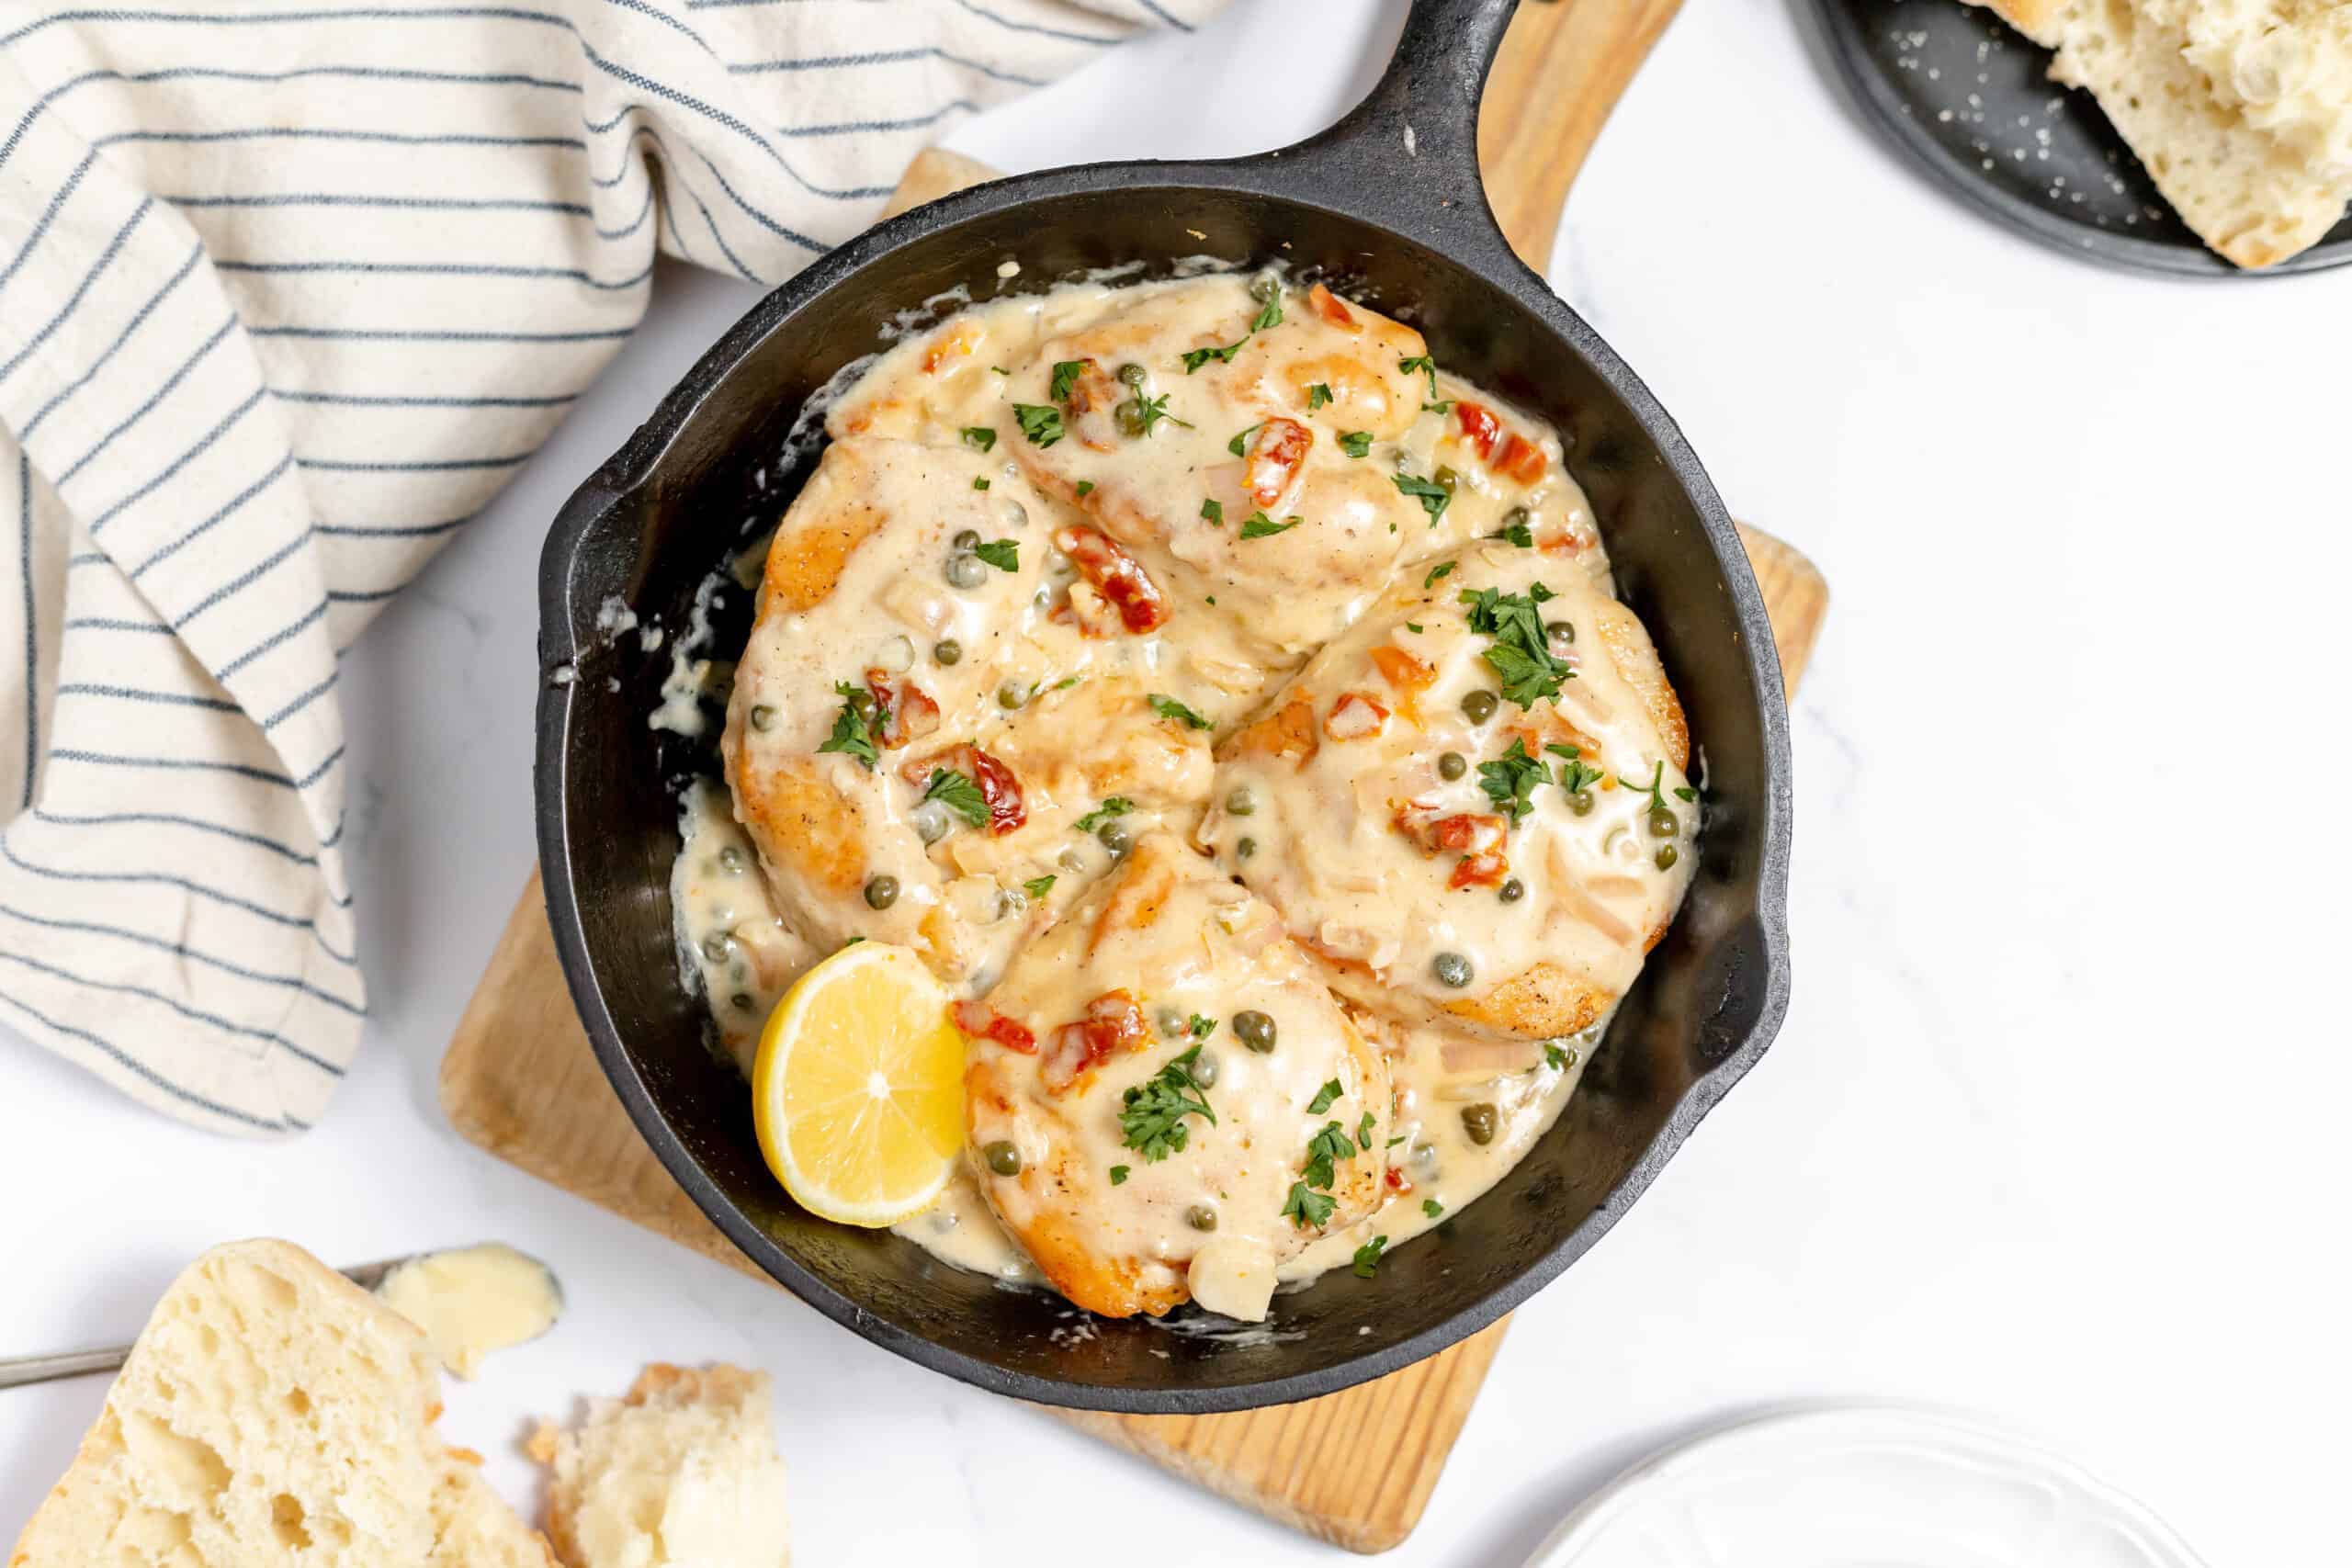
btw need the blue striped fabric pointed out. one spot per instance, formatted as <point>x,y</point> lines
<point>289,289</point>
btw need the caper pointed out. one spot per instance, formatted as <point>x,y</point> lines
<point>1446,478</point>
<point>966,571</point>
<point>1255,1029</point>
<point>1116,836</point>
<point>1479,1120</point>
<point>1560,631</point>
<point>1451,969</point>
<point>1662,824</point>
<point>1245,849</point>
<point>881,892</point>
<point>930,821</point>
<point>1010,901</point>
<point>743,1002</point>
<point>1479,706</point>
<point>1240,800</point>
<point>1667,856</point>
<point>763,719</point>
<point>1170,1021</point>
<point>1263,289</point>
<point>967,539</point>
<point>1005,1159</point>
<point>1204,1071</point>
<point>948,652</point>
<point>1130,374</point>
<point>731,860</point>
<point>861,703</point>
<point>1517,517</point>
<point>1581,803</point>
<point>1452,765</point>
<point>1201,1217</point>
<point>1011,694</point>
<point>1130,417</point>
<point>717,947</point>
<point>1512,891</point>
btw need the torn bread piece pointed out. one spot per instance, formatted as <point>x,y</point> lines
<point>2240,110</point>
<point>274,1413</point>
<point>681,1472</point>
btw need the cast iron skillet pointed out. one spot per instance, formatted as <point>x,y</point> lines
<point>1388,204</point>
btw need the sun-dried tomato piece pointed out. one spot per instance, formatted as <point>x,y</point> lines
<point>1467,833</point>
<point>1331,307</point>
<point>1000,788</point>
<point>1479,871</point>
<point>1355,716</point>
<point>1273,456</point>
<point>1479,426</point>
<point>984,1023</point>
<point>1112,1023</point>
<point>1521,459</point>
<point>908,714</point>
<point>1115,575</point>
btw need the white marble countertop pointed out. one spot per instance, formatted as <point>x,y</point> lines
<point>2053,1130</point>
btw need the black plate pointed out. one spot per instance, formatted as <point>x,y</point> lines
<point>1387,204</point>
<point>1971,99</point>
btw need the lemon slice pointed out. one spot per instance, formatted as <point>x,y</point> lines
<point>858,1089</point>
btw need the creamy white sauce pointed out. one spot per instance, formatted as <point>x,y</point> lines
<point>863,579</point>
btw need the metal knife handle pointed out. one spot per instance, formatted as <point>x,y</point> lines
<point>16,1371</point>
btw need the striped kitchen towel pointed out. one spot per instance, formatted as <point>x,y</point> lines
<point>288,290</point>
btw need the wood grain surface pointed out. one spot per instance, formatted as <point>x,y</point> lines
<point>521,1081</point>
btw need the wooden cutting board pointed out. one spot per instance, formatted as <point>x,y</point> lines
<point>521,1081</point>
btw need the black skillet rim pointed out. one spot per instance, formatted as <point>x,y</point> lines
<point>1885,107</point>
<point>1349,172</point>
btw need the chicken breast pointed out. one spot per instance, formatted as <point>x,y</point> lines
<point>1473,806</point>
<point>1164,1102</point>
<point>896,793</point>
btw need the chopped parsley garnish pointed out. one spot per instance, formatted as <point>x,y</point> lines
<point>1303,1207</point>
<point>1434,498</point>
<point>957,793</point>
<point>1038,886</point>
<point>1003,554</point>
<point>1041,422</point>
<point>1574,775</point>
<point>1240,443</point>
<point>1413,626</point>
<point>980,484</point>
<point>1324,1151</point>
<point>1151,1115</point>
<point>1065,684</point>
<point>1118,1176</point>
<point>1086,487</point>
<point>1000,370</point>
<point>1196,357</point>
<point>1169,707</point>
<point>1112,806</point>
<point>1152,411</point>
<point>1355,442</point>
<point>857,728</point>
<point>1323,1097</point>
<point>1363,1133</point>
<point>1519,534</point>
<point>1442,569</point>
<point>1316,396</point>
<point>1656,794</point>
<point>1257,526</point>
<point>1511,781</point>
<point>1368,1257</point>
<point>1432,1207</point>
<point>1269,314</point>
<point>1440,406</point>
<point>980,437</point>
<point>1200,1028</point>
<point>1214,511</point>
<point>1065,374</point>
<point>1426,366</point>
<point>1555,1055</point>
<point>1520,650</point>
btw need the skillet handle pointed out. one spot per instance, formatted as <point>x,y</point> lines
<point>1408,155</point>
